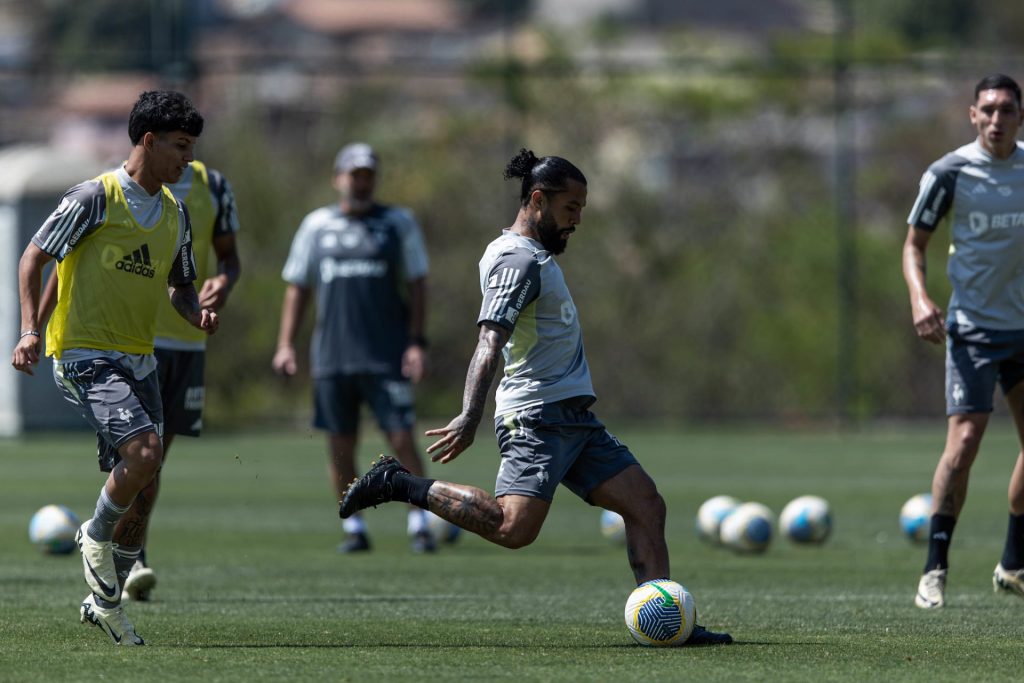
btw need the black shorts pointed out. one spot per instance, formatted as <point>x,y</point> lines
<point>337,400</point>
<point>182,390</point>
<point>975,360</point>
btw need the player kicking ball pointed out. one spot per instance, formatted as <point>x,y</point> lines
<point>546,433</point>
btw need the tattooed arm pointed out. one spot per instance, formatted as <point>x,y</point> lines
<point>458,435</point>
<point>186,303</point>
<point>928,318</point>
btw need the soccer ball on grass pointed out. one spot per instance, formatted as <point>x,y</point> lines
<point>660,613</point>
<point>807,519</point>
<point>710,515</point>
<point>52,529</point>
<point>915,517</point>
<point>613,527</point>
<point>443,530</point>
<point>748,529</point>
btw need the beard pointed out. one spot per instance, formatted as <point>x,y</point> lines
<point>550,234</point>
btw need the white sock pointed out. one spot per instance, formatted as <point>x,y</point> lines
<point>417,521</point>
<point>354,525</point>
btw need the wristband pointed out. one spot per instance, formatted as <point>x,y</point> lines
<point>29,333</point>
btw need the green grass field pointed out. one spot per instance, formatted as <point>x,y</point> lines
<point>251,589</point>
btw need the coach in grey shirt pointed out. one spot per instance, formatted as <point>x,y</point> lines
<point>980,187</point>
<point>367,265</point>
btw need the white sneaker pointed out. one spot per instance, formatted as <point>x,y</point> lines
<point>140,582</point>
<point>98,562</point>
<point>931,591</point>
<point>111,621</point>
<point>1008,580</point>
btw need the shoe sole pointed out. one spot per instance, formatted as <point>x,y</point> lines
<point>140,582</point>
<point>999,585</point>
<point>347,506</point>
<point>925,603</point>
<point>89,618</point>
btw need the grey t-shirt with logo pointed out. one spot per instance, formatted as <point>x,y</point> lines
<point>358,267</point>
<point>984,197</point>
<point>524,291</point>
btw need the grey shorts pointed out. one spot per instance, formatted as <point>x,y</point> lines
<point>337,399</point>
<point>975,360</point>
<point>182,390</point>
<point>556,443</point>
<point>118,406</point>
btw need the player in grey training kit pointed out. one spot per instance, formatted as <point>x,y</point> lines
<point>367,264</point>
<point>547,434</point>
<point>980,187</point>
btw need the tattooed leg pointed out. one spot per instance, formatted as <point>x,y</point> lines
<point>509,521</point>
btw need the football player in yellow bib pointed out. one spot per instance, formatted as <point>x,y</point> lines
<point>122,242</point>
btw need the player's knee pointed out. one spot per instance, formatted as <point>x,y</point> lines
<point>646,509</point>
<point>517,537</point>
<point>149,460</point>
<point>962,448</point>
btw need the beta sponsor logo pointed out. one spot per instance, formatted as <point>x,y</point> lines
<point>336,268</point>
<point>981,222</point>
<point>137,262</point>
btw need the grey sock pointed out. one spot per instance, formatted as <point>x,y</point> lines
<point>107,514</point>
<point>124,560</point>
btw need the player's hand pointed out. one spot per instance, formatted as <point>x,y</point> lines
<point>207,320</point>
<point>456,437</point>
<point>26,354</point>
<point>284,362</point>
<point>929,321</point>
<point>214,292</point>
<point>414,363</point>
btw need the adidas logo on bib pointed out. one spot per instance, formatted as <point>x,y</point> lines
<point>137,262</point>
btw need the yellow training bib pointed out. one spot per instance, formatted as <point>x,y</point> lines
<point>111,283</point>
<point>202,214</point>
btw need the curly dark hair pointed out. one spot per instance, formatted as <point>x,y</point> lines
<point>163,111</point>
<point>547,174</point>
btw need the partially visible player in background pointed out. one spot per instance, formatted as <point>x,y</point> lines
<point>547,434</point>
<point>123,244</point>
<point>981,187</point>
<point>180,348</point>
<point>367,265</point>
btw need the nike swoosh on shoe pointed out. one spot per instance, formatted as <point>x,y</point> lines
<point>107,591</point>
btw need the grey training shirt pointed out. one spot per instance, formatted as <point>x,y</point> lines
<point>358,267</point>
<point>524,291</point>
<point>984,197</point>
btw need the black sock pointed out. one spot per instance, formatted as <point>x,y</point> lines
<point>408,488</point>
<point>939,536</point>
<point>1013,551</point>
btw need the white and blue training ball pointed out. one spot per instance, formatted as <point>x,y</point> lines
<point>915,517</point>
<point>807,519</point>
<point>710,515</point>
<point>52,529</point>
<point>613,527</point>
<point>442,530</point>
<point>748,529</point>
<point>660,613</point>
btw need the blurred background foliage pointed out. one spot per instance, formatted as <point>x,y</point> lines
<point>723,171</point>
